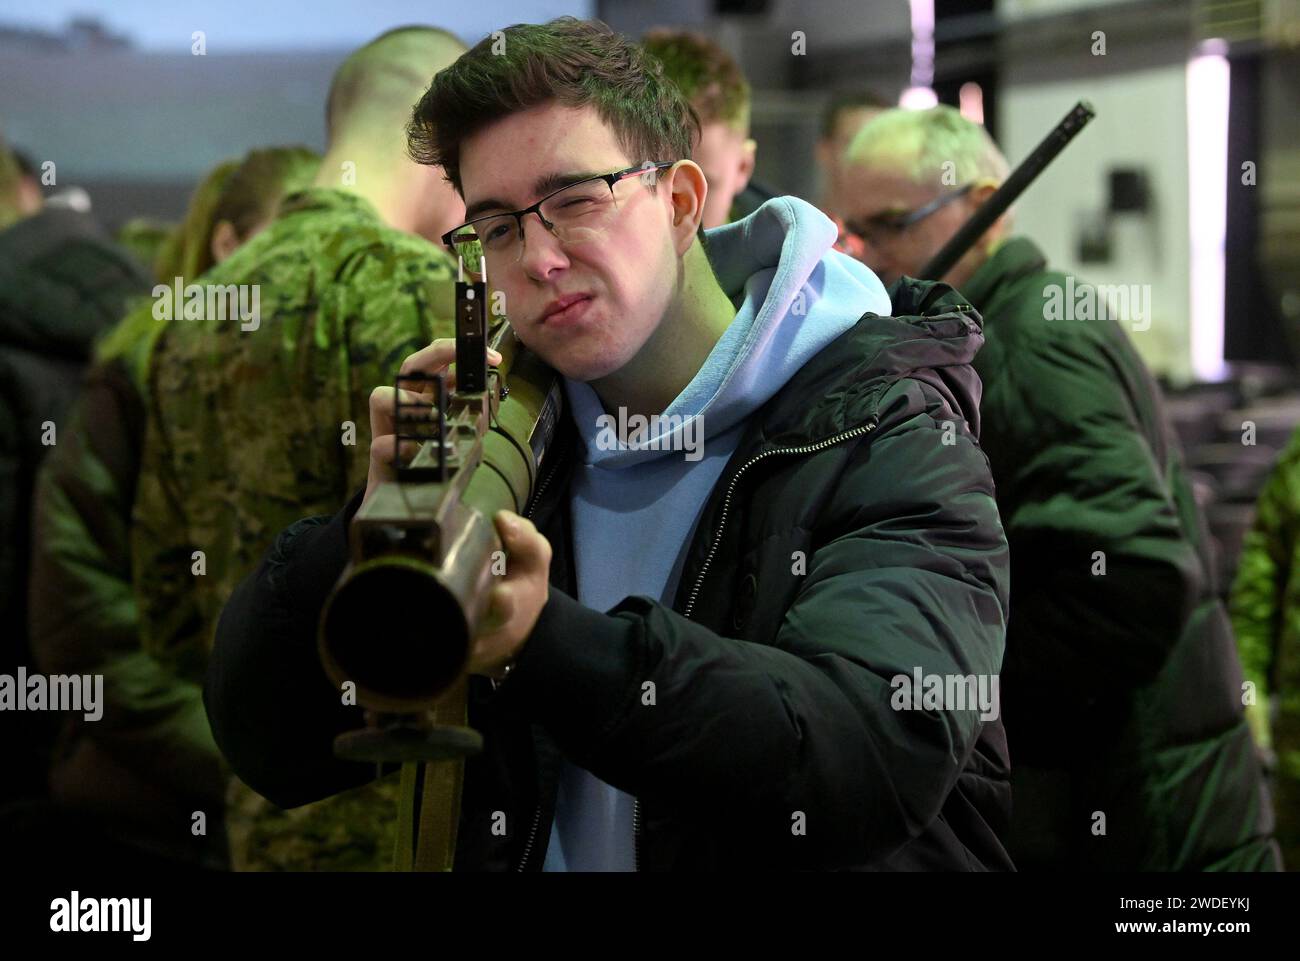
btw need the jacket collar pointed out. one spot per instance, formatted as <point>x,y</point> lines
<point>328,199</point>
<point>1011,260</point>
<point>33,237</point>
<point>28,286</point>
<point>932,328</point>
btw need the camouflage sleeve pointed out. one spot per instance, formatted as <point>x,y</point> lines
<point>1257,603</point>
<point>160,553</point>
<point>387,312</point>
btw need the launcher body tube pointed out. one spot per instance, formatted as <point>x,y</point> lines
<point>401,620</point>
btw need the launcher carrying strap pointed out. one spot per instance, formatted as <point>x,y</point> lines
<point>429,805</point>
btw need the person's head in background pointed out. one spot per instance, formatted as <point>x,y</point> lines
<point>366,114</point>
<point>190,240</point>
<point>915,176</point>
<point>20,193</point>
<point>570,106</point>
<point>847,112</point>
<point>251,198</point>
<point>717,91</point>
<point>234,202</point>
<point>33,198</point>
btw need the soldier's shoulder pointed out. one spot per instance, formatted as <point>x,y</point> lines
<point>306,252</point>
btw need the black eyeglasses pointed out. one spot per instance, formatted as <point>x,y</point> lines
<point>886,226</point>
<point>577,213</point>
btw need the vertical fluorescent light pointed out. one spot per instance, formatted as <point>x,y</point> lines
<point>919,93</point>
<point>971,99</point>
<point>1207,170</point>
<point>918,98</point>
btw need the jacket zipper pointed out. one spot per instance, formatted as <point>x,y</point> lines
<point>537,816</point>
<point>717,540</point>
<point>726,503</point>
<point>532,836</point>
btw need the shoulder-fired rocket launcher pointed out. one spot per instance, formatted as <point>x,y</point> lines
<point>400,622</point>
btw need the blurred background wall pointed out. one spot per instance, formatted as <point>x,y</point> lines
<point>114,95</point>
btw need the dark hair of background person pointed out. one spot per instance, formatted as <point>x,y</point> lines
<point>178,256</point>
<point>380,73</point>
<point>842,100</point>
<point>245,194</point>
<point>708,77</point>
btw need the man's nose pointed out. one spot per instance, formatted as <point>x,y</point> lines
<point>542,251</point>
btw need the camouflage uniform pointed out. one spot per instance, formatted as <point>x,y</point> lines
<point>1265,608</point>
<point>252,429</point>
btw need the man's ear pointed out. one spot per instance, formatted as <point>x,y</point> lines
<point>823,154</point>
<point>688,188</point>
<point>225,241</point>
<point>747,157</point>
<point>982,191</point>
<point>30,197</point>
<point>978,196</point>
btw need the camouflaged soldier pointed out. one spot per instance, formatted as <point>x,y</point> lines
<point>150,761</point>
<point>259,409</point>
<point>1265,609</point>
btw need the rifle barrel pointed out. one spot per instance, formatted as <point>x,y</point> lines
<point>1006,195</point>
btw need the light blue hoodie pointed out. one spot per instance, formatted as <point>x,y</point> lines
<point>635,507</point>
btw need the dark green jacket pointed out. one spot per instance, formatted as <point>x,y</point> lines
<point>1122,692</point>
<point>62,283</point>
<point>149,761</point>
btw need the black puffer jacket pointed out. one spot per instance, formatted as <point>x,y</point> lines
<point>773,687</point>
<point>62,283</point>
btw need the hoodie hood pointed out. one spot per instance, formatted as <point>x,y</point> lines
<point>796,295</point>
<point>933,336</point>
